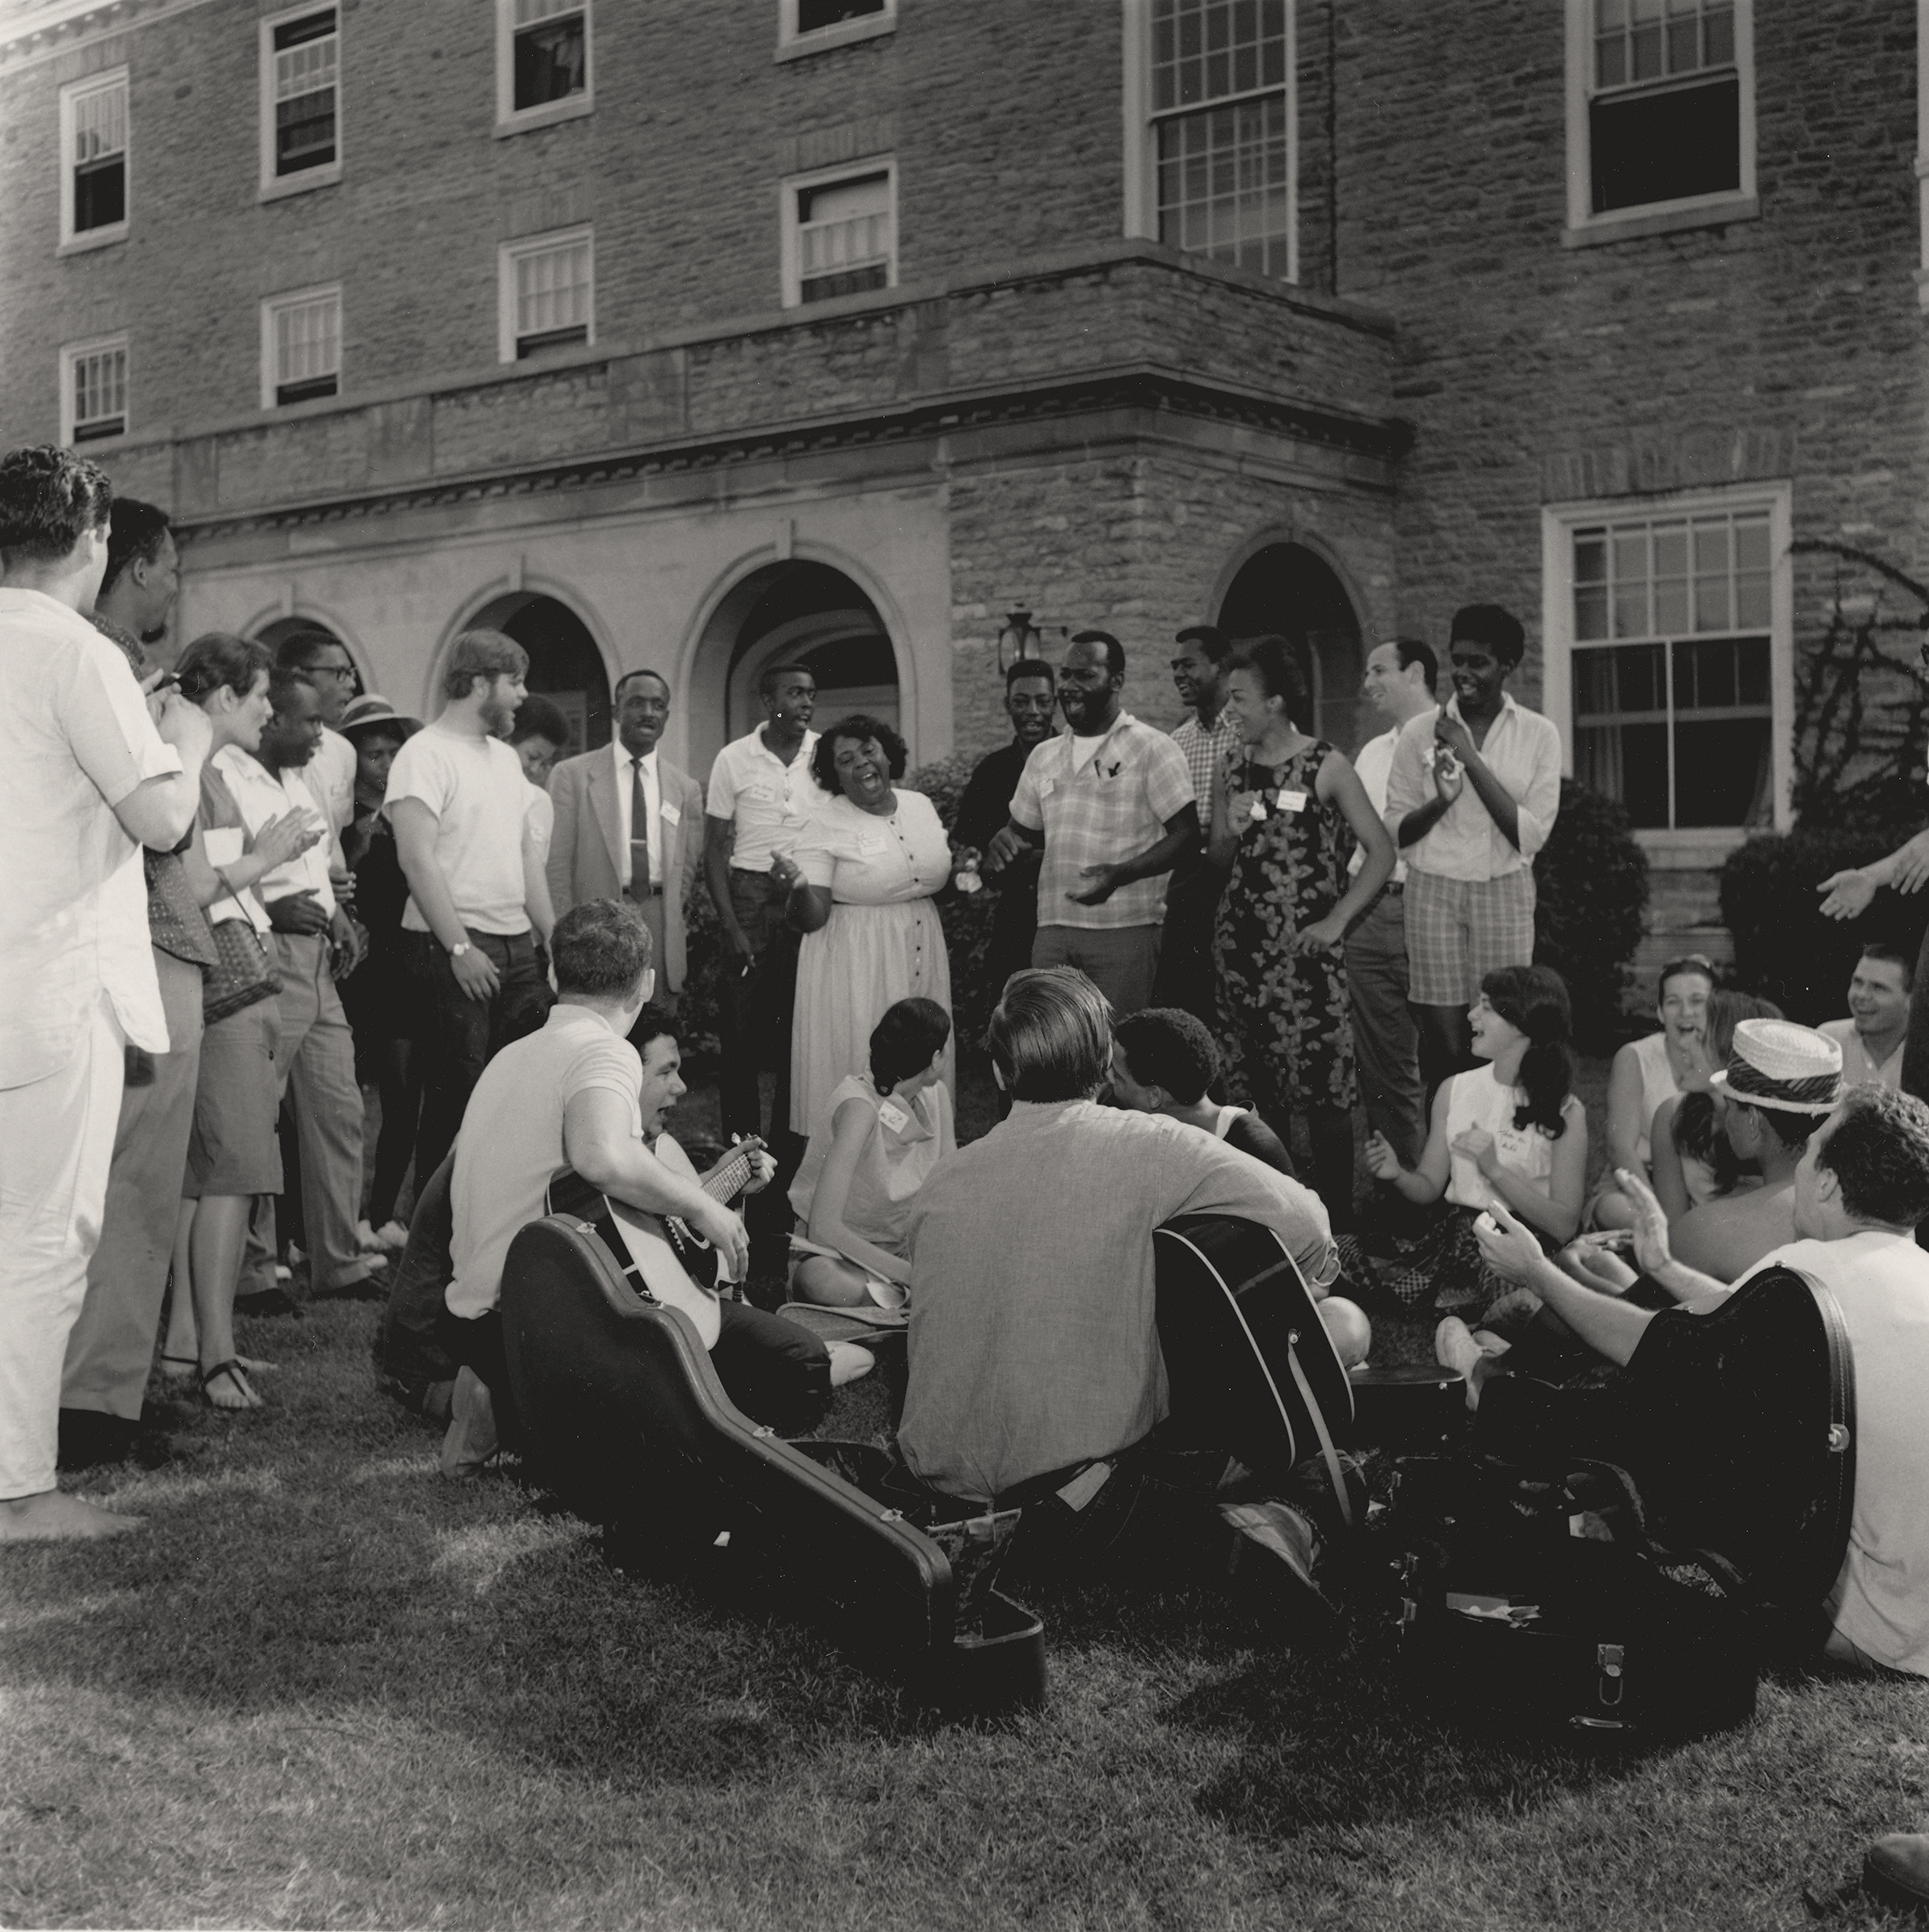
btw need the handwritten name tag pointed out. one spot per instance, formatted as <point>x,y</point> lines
<point>1292,801</point>
<point>672,816</point>
<point>894,1116</point>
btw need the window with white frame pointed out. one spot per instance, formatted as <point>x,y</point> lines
<point>94,389</point>
<point>806,26</point>
<point>1669,654</point>
<point>300,345</point>
<point>301,100</point>
<point>94,141</point>
<point>1221,115</point>
<point>542,62</point>
<point>547,293</point>
<point>840,232</point>
<point>1660,105</point>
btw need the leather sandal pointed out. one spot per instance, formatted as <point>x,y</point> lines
<point>231,1369</point>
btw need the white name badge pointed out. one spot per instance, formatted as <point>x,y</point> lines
<point>1292,801</point>
<point>870,841</point>
<point>894,1116</point>
<point>672,816</point>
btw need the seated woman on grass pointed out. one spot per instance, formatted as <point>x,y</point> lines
<point>874,1147</point>
<point>1511,1131</point>
<point>1694,1161</point>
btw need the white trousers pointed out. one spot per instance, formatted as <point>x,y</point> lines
<point>56,1139</point>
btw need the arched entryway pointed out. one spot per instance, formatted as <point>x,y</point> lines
<point>793,612</point>
<point>1286,588</point>
<point>565,665</point>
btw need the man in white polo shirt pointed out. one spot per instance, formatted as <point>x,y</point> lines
<point>86,779</point>
<point>1873,1036</point>
<point>760,794</point>
<point>459,804</point>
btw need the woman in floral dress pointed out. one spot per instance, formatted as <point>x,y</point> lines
<point>1285,817</point>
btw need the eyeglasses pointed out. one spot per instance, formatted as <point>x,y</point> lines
<point>344,672</point>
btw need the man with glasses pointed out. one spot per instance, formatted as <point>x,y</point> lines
<point>332,774</point>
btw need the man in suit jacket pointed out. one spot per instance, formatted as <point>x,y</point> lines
<point>604,848</point>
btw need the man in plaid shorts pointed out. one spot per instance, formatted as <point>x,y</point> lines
<point>1112,802</point>
<point>1472,796</point>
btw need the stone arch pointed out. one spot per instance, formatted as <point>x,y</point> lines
<point>569,661</point>
<point>1290,583</point>
<point>274,626</point>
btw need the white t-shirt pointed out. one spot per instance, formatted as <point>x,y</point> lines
<point>541,818</point>
<point>768,801</point>
<point>1858,1069</point>
<point>1084,750</point>
<point>477,791</point>
<point>1881,1601</point>
<point>331,776</point>
<point>511,1141</point>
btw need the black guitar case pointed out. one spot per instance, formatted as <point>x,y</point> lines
<point>1636,1584</point>
<point>1248,1363</point>
<point>626,1420</point>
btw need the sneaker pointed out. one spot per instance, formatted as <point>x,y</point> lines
<point>283,1272</point>
<point>471,1439</point>
<point>393,1236</point>
<point>1897,1870</point>
<point>367,1240</point>
<point>1455,1347</point>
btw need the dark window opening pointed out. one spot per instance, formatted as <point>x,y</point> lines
<point>813,14</point>
<point>305,132</point>
<point>92,432</point>
<point>550,339</point>
<point>100,193</point>
<point>851,281</point>
<point>306,391</point>
<point>551,62</point>
<point>312,27</point>
<point>1666,145</point>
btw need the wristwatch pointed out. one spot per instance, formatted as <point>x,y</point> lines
<point>456,952</point>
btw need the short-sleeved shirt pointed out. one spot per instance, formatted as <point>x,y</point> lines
<point>1858,1069</point>
<point>542,809</point>
<point>75,740</point>
<point>225,837</point>
<point>476,789</point>
<point>1372,768</point>
<point>331,776</point>
<point>262,795</point>
<point>1206,749</point>
<point>867,859</point>
<point>1522,750</point>
<point>511,1141</point>
<point>767,801</point>
<point>1102,812</point>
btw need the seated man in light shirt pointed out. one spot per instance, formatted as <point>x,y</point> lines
<point>1877,1030</point>
<point>1035,1371</point>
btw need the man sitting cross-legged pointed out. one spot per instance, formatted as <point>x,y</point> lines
<point>1860,1190</point>
<point>1035,1371</point>
<point>576,1095</point>
<point>1162,1061</point>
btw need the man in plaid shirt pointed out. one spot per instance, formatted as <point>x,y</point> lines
<point>1113,803</point>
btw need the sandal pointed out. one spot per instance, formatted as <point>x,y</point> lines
<point>231,1369</point>
<point>178,1368</point>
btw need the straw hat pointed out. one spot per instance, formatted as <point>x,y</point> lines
<point>1776,1063</point>
<point>365,712</point>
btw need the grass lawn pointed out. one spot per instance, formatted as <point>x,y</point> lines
<point>325,1687</point>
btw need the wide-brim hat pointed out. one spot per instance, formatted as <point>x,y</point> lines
<point>371,709</point>
<point>1775,1064</point>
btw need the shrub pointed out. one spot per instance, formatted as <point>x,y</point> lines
<point>1785,949</point>
<point>967,917</point>
<point>1591,886</point>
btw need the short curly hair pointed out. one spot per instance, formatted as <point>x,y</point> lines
<point>49,500</point>
<point>1878,1151</point>
<point>859,725</point>
<point>600,950</point>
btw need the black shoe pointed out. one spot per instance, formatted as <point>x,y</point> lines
<point>267,1300</point>
<point>1897,1870</point>
<point>89,1439</point>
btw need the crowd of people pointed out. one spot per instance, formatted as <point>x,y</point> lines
<point>240,894</point>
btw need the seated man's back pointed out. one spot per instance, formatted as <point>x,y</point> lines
<point>1727,1236</point>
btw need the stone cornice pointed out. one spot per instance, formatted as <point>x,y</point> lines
<point>34,30</point>
<point>1146,388</point>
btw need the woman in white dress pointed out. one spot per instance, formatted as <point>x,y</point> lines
<point>860,877</point>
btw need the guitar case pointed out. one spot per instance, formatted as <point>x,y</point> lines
<point>626,1421</point>
<point>1249,1366</point>
<point>1636,1584</point>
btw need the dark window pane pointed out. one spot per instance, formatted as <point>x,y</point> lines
<point>550,339</point>
<point>1628,762</point>
<point>1666,145</point>
<point>813,14</point>
<point>305,392</point>
<point>549,62</point>
<point>305,132</point>
<point>1752,660</point>
<point>92,432</point>
<point>310,28</point>
<point>99,194</point>
<point>850,281</point>
<point>1721,771</point>
<point>1617,681</point>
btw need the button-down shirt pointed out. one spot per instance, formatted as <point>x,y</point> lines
<point>1374,761</point>
<point>1207,750</point>
<point>766,800</point>
<point>1859,1067</point>
<point>1101,812</point>
<point>1522,750</point>
<point>75,740</point>
<point>261,795</point>
<point>653,805</point>
<point>1034,1344</point>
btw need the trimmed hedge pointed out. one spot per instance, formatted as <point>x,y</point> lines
<point>1591,907</point>
<point>1785,949</point>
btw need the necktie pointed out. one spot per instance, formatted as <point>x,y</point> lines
<point>639,833</point>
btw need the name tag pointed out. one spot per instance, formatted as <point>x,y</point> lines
<point>670,814</point>
<point>765,795</point>
<point>1512,1145</point>
<point>870,841</point>
<point>894,1116</point>
<point>1292,801</point>
<point>1046,787</point>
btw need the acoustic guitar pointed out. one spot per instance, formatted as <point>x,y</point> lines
<point>661,1256</point>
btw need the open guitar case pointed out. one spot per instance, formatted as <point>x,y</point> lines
<point>626,1421</point>
<point>1637,1585</point>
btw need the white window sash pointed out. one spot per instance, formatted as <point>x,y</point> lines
<point>99,386</point>
<point>308,340</point>
<point>535,13</point>
<point>552,289</point>
<point>100,123</point>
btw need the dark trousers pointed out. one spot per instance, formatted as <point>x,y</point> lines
<point>1186,976</point>
<point>754,1011</point>
<point>409,1345</point>
<point>460,1036</point>
<point>1386,1044</point>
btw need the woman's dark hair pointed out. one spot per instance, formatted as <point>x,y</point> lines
<point>904,1042</point>
<point>218,657</point>
<point>536,717</point>
<point>1689,962</point>
<point>1272,660</point>
<point>1698,1130</point>
<point>1534,1000</point>
<point>823,760</point>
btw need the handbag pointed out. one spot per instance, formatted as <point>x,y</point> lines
<point>242,975</point>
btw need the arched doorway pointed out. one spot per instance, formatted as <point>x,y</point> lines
<point>1292,591</point>
<point>794,611</point>
<point>275,635</point>
<point>565,665</point>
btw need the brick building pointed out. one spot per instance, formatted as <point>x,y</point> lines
<point>689,333</point>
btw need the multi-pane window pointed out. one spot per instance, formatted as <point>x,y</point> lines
<point>95,377</point>
<point>303,89</point>
<point>93,122</point>
<point>301,346</point>
<point>845,242</point>
<point>548,294</point>
<point>1664,109</point>
<point>804,26</point>
<point>549,51</point>
<point>1671,667</point>
<point>1222,118</point>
